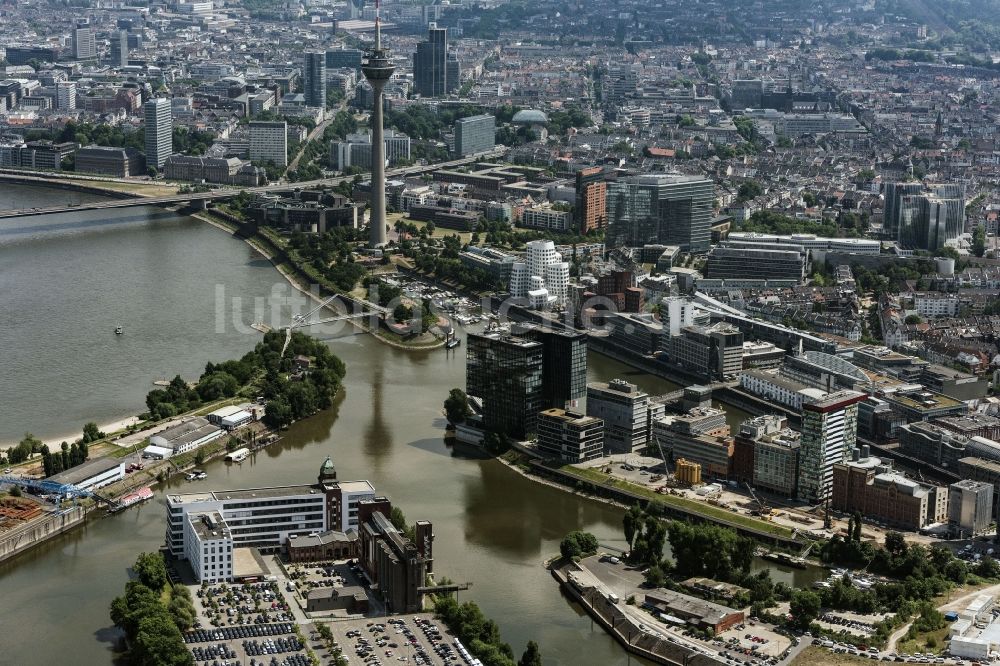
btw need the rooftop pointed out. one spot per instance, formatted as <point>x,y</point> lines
<point>836,400</point>
<point>87,470</point>
<point>923,400</point>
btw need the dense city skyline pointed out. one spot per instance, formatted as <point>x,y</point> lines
<point>724,274</point>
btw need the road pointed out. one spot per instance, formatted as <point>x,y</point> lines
<point>890,645</point>
<point>317,131</point>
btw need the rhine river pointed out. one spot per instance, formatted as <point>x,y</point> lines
<point>67,280</point>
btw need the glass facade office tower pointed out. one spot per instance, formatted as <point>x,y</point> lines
<point>314,78</point>
<point>667,210</point>
<point>924,218</point>
<point>506,372</point>
<point>564,364</point>
<point>430,63</point>
<point>119,49</point>
<point>894,192</point>
<point>159,131</point>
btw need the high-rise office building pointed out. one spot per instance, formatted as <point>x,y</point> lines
<point>65,95</point>
<point>453,73</point>
<point>120,49</point>
<point>269,142</point>
<point>924,218</point>
<point>591,193</point>
<point>314,78</point>
<point>542,278</point>
<point>829,432</point>
<point>505,371</point>
<point>84,42</point>
<point>475,134</point>
<point>626,412</point>
<point>894,193</point>
<point>667,210</point>
<point>430,63</point>
<point>159,131</point>
<point>564,365</point>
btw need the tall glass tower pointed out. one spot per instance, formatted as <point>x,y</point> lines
<point>378,69</point>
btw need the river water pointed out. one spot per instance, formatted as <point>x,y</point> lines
<point>66,280</point>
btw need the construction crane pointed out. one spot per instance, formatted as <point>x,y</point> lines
<point>762,508</point>
<point>663,456</point>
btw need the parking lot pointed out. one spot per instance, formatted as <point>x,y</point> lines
<point>410,639</point>
<point>245,625</point>
<point>755,639</point>
<point>248,645</point>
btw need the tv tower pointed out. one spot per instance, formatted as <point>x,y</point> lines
<point>378,70</point>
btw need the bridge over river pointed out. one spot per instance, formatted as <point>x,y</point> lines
<point>203,198</point>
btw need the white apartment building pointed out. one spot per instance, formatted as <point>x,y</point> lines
<point>546,218</point>
<point>936,304</point>
<point>543,278</point>
<point>269,142</point>
<point>66,95</point>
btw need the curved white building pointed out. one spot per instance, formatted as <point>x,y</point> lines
<point>542,278</point>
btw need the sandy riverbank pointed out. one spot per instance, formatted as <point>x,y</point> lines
<point>55,442</point>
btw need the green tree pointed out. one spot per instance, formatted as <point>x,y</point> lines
<point>91,433</point>
<point>749,189</point>
<point>979,241</point>
<point>278,413</point>
<point>151,570</point>
<point>804,608</point>
<point>531,655</point>
<point>398,519</point>
<point>578,544</point>
<point>456,406</point>
<point>895,544</point>
<point>654,576</point>
<point>631,522</point>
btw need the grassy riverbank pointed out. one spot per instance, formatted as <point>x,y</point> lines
<point>703,509</point>
<point>301,276</point>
